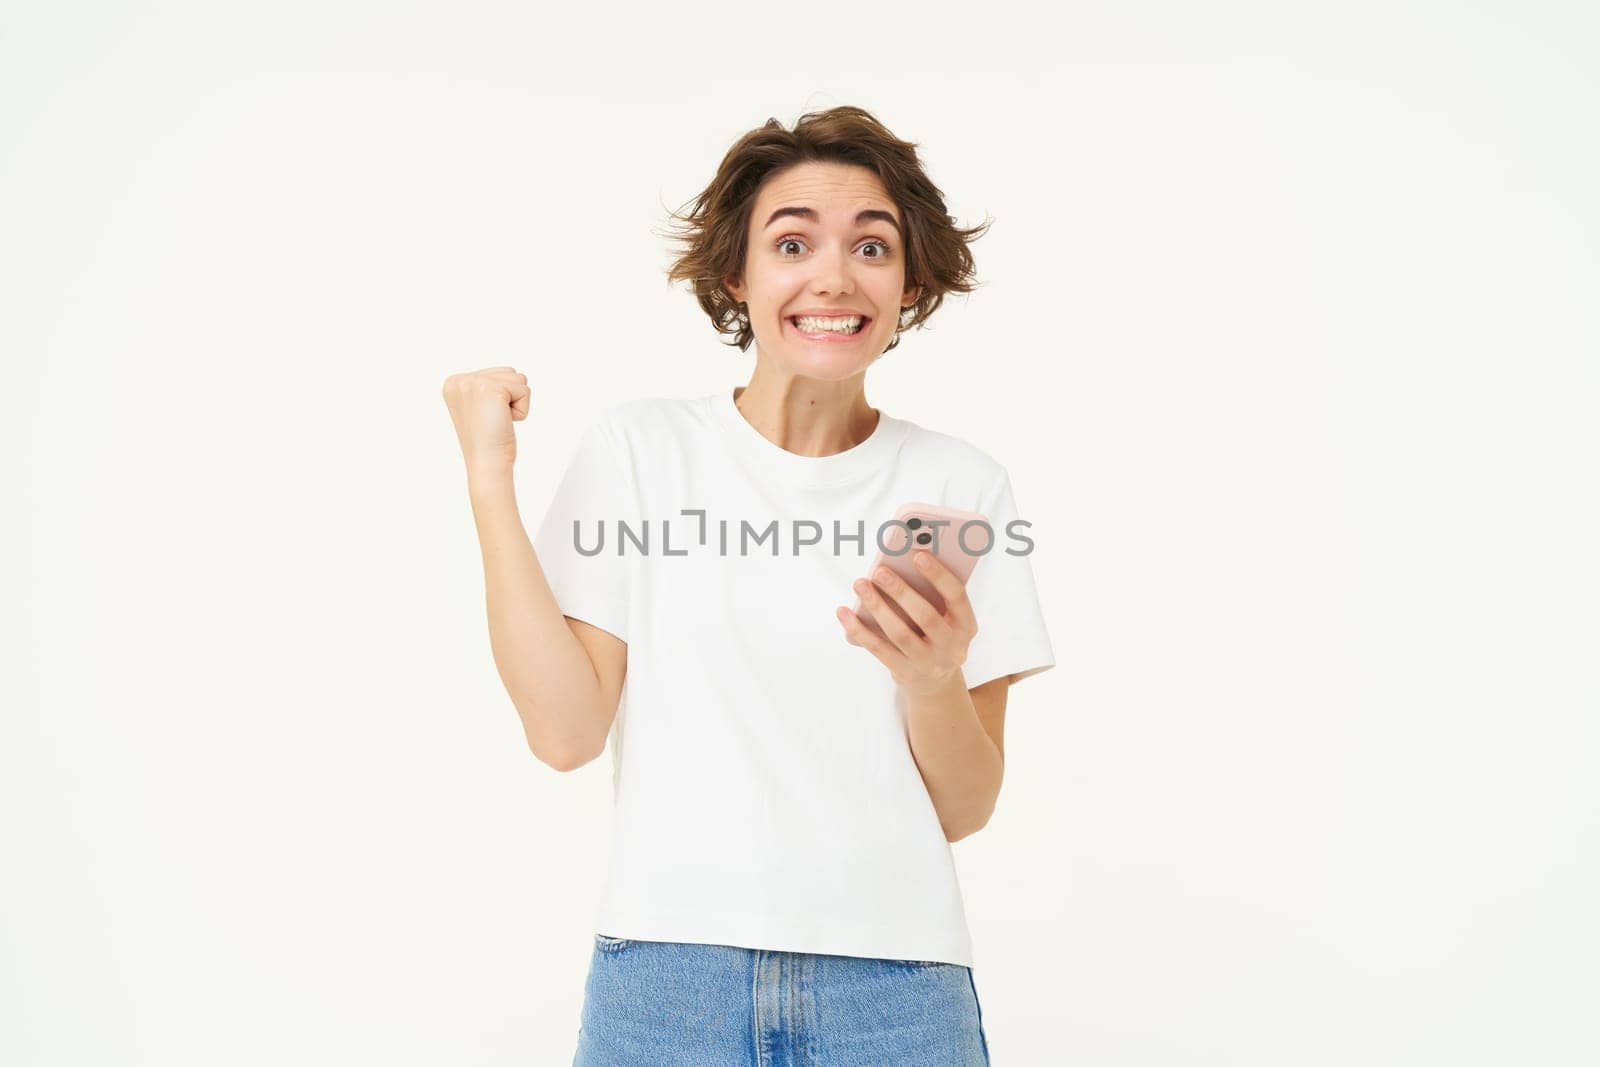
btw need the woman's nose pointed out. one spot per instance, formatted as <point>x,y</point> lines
<point>833,276</point>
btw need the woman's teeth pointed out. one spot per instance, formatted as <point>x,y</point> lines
<point>844,325</point>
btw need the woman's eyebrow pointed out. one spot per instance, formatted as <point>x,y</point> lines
<point>810,215</point>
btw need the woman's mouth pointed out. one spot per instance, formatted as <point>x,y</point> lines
<point>828,330</point>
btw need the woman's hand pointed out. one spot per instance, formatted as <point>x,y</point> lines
<point>921,663</point>
<point>483,404</point>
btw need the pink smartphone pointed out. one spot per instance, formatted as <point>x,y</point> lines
<point>925,526</point>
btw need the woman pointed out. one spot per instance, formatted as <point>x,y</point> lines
<point>781,885</point>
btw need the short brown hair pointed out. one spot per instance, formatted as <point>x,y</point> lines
<point>716,228</point>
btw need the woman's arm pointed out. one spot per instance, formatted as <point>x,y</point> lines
<point>566,709</point>
<point>955,733</point>
<point>955,736</point>
<point>565,700</point>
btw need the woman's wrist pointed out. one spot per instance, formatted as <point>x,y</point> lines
<point>489,478</point>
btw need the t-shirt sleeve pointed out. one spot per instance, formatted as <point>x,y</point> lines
<point>1011,637</point>
<point>595,493</point>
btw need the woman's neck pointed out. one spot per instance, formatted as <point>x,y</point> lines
<point>806,416</point>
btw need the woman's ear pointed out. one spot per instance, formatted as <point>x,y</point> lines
<point>734,289</point>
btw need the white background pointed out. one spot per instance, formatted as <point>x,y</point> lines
<point>1287,338</point>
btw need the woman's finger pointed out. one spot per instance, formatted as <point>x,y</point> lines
<point>860,634</point>
<point>894,627</point>
<point>906,595</point>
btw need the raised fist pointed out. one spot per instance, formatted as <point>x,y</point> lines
<point>483,404</point>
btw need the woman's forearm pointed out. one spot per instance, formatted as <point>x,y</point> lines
<point>959,762</point>
<point>544,668</point>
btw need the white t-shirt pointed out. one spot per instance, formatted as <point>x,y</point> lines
<point>765,791</point>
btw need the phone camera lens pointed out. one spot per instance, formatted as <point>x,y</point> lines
<point>914,523</point>
<point>924,538</point>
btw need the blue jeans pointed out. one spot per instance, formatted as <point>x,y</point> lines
<point>666,1004</point>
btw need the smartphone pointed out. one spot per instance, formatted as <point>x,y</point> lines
<point>937,529</point>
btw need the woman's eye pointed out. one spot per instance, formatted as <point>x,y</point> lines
<point>784,244</point>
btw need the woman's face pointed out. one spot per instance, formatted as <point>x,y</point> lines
<point>823,236</point>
